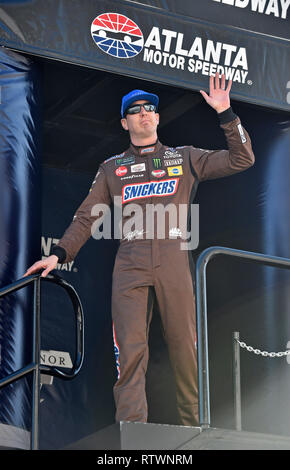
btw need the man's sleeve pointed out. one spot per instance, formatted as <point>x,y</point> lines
<point>79,230</point>
<point>210,164</point>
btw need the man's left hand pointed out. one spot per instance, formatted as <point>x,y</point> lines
<point>218,97</point>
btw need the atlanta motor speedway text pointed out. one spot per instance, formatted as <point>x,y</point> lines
<point>146,459</point>
<point>167,48</point>
<point>195,66</point>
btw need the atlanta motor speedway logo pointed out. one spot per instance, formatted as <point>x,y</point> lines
<point>119,36</point>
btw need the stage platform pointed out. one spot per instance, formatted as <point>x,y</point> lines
<point>148,436</point>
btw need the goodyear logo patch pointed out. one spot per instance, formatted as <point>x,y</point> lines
<point>175,170</point>
<point>148,189</point>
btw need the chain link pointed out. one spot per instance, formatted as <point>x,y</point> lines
<point>263,353</point>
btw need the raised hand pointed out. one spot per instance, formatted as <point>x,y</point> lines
<point>218,97</point>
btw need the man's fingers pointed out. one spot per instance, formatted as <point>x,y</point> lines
<point>33,270</point>
<point>30,271</point>
<point>223,82</point>
<point>35,267</point>
<point>211,84</point>
<point>205,95</point>
<point>217,81</point>
<point>45,272</point>
<point>229,86</point>
<point>216,84</point>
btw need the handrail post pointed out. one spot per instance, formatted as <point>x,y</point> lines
<point>36,361</point>
<point>36,367</point>
<point>237,381</point>
<point>201,314</point>
<point>202,343</point>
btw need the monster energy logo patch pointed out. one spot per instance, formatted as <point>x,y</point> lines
<point>125,161</point>
<point>156,163</point>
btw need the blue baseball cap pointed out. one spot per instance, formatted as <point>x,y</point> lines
<point>136,95</point>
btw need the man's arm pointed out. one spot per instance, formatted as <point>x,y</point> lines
<point>210,164</point>
<point>79,230</point>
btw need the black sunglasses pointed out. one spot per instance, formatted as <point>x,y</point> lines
<point>137,108</point>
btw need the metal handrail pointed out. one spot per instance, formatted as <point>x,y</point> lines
<point>35,366</point>
<point>78,310</point>
<point>201,314</point>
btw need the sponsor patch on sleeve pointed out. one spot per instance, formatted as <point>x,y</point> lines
<point>242,134</point>
<point>114,157</point>
<point>94,180</point>
<point>148,189</point>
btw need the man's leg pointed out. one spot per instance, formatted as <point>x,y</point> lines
<point>176,300</point>
<point>132,313</point>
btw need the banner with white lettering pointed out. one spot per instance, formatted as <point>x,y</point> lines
<point>159,45</point>
<point>270,17</point>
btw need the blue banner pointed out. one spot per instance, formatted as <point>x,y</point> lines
<point>20,212</point>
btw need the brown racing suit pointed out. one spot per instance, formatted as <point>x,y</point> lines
<point>155,268</point>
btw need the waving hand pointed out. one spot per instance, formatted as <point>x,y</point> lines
<point>218,97</point>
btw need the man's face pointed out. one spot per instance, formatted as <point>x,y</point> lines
<point>143,124</point>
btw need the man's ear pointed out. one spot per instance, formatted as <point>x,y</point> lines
<point>124,123</point>
<point>157,117</point>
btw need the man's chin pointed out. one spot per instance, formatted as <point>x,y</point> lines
<point>148,131</point>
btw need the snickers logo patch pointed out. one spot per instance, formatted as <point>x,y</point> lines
<point>151,188</point>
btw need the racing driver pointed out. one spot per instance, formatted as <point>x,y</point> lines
<point>155,268</point>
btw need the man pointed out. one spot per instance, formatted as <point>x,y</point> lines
<point>153,268</point>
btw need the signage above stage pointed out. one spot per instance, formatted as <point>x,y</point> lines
<point>270,17</point>
<point>160,45</point>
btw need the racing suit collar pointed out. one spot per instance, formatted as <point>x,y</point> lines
<point>145,150</point>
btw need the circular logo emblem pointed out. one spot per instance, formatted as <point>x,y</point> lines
<point>121,171</point>
<point>158,173</point>
<point>117,35</point>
